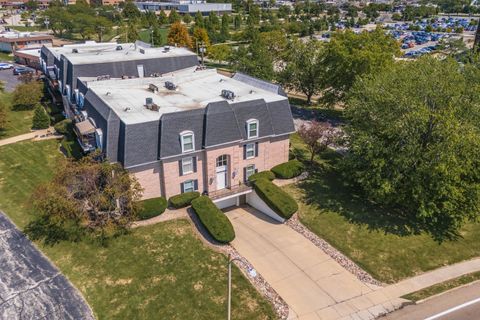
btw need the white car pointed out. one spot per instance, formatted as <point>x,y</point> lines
<point>5,66</point>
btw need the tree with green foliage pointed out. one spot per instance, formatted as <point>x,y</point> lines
<point>237,22</point>
<point>414,143</point>
<point>40,120</point>
<point>261,66</point>
<point>305,70</point>
<point>173,16</point>
<point>131,32</point>
<point>349,56</point>
<point>157,37</point>
<point>219,53</point>
<point>187,18</point>
<point>225,28</point>
<point>162,18</point>
<point>130,10</point>
<point>199,38</point>
<point>277,44</point>
<point>86,197</point>
<point>27,96</point>
<point>199,20</point>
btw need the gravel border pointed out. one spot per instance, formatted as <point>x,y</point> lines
<point>336,255</point>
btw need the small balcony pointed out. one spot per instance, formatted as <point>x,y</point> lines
<point>230,191</point>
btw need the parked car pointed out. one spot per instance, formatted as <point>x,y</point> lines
<point>5,66</point>
<point>21,70</point>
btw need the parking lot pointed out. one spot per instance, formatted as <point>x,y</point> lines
<point>30,286</point>
<point>9,79</point>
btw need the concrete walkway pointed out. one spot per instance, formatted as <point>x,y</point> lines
<point>29,136</point>
<point>303,275</point>
<point>166,216</point>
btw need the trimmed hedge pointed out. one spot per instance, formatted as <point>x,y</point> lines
<point>277,199</point>
<point>214,220</point>
<point>183,199</point>
<point>288,170</point>
<point>152,207</point>
<point>269,175</point>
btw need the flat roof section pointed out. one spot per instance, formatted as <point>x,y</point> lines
<point>195,89</point>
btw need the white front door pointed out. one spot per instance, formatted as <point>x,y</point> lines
<point>141,72</point>
<point>221,179</point>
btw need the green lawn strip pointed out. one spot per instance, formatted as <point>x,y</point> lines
<point>442,287</point>
<point>18,122</point>
<point>146,35</point>
<point>6,57</point>
<point>157,270</point>
<point>368,234</point>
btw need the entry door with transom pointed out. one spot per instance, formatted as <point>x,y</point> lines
<point>222,170</point>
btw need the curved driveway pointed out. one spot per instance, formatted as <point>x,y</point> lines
<point>30,286</point>
<point>302,274</point>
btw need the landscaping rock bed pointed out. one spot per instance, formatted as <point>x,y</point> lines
<point>339,257</point>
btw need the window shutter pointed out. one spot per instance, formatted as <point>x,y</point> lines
<point>180,168</point>
<point>195,184</point>
<point>256,149</point>
<point>244,151</point>
<point>194,161</point>
<point>245,175</point>
<point>182,189</point>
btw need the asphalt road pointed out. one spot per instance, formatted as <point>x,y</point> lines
<point>30,286</point>
<point>459,304</point>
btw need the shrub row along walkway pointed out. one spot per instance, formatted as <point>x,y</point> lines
<point>302,274</point>
<point>30,286</point>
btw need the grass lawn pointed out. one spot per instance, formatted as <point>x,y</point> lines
<point>5,56</point>
<point>157,271</point>
<point>146,36</point>
<point>442,287</point>
<point>18,122</point>
<point>370,235</point>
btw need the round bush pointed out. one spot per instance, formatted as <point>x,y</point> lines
<point>152,207</point>
<point>277,199</point>
<point>214,220</point>
<point>288,170</point>
<point>183,199</point>
<point>269,175</point>
<point>64,126</point>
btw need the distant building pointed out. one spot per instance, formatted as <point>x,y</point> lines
<point>11,41</point>
<point>28,57</point>
<point>186,6</point>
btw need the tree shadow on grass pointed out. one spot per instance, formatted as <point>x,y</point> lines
<point>329,189</point>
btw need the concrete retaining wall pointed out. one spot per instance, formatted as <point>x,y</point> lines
<point>255,201</point>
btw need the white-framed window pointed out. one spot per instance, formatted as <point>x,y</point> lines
<point>187,165</point>
<point>249,170</point>
<point>187,140</point>
<point>222,160</point>
<point>252,128</point>
<point>250,150</point>
<point>189,186</point>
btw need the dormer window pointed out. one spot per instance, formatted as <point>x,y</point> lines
<point>252,128</point>
<point>187,141</point>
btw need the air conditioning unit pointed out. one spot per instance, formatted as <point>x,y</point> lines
<point>119,48</point>
<point>150,105</point>
<point>170,85</point>
<point>74,50</point>
<point>227,94</point>
<point>152,88</point>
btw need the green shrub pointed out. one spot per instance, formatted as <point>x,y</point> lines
<point>214,220</point>
<point>277,199</point>
<point>288,170</point>
<point>152,207</point>
<point>64,126</point>
<point>269,175</point>
<point>183,199</point>
<point>40,120</point>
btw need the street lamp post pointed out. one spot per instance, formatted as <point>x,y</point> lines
<point>252,272</point>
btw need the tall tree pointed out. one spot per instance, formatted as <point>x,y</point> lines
<point>305,70</point>
<point>130,10</point>
<point>225,28</point>
<point>178,35</point>
<point>157,36</point>
<point>318,136</point>
<point>173,16</point>
<point>162,18</point>
<point>200,37</point>
<point>199,20</point>
<point>85,197</point>
<point>414,142</point>
<point>27,95</point>
<point>40,120</point>
<point>350,56</point>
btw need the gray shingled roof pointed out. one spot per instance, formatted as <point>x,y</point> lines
<point>221,124</point>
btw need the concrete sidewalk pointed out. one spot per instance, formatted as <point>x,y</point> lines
<point>27,136</point>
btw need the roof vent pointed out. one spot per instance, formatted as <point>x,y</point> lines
<point>227,94</point>
<point>170,85</point>
<point>152,87</point>
<point>252,91</point>
<point>127,109</point>
<point>142,51</point>
<point>103,77</point>
<point>119,48</point>
<point>150,105</point>
<point>74,50</point>
<point>166,49</point>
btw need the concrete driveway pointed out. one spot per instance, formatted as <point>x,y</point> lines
<point>30,286</point>
<point>302,274</point>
